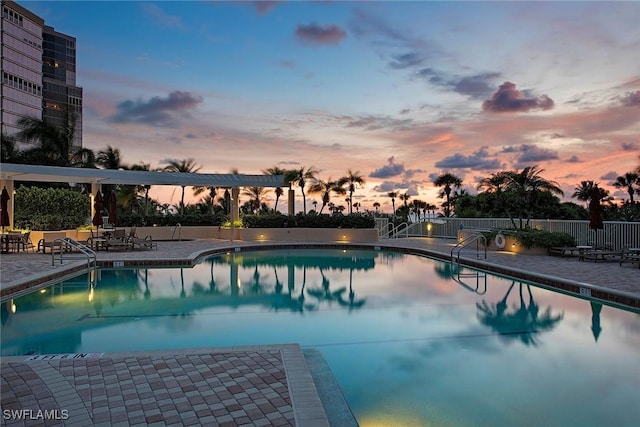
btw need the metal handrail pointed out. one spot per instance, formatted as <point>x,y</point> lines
<point>466,242</point>
<point>177,227</point>
<point>66,244</point>
<point>395,231</point>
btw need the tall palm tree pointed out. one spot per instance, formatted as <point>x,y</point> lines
<point>393,195</point>
<point>583,192</point>
<point>627,182</point>
<point>325,188</point>
<point>255,195</point>
<point>182,166</point>
<point>10,151</point>
<point>405,199</point>
<point>447,180</point>
<point>353,179</point>
<point>527,184</point>
<point>303,176</point>
<point>496,184</point>
<point>279,191</point>
<point>109,158</point>
<point>54,144</point>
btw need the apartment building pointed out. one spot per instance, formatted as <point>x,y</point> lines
<point>38,69</point>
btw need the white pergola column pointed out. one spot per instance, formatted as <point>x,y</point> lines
<point>94,190</point>
<point>235,208</point>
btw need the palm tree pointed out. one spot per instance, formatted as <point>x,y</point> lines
<point>325,188</point>
<point>109,158</point>
<point>405,199</point>
<point>447,180</point>
<point>376,205</point>
<point>527,184</point>
<point>583,192</point>
<point>182,166</point>
<point>255,194</point>
<point>353,179</point>
<point>55,144</point>
<point>279,191</point>
<point>393,195</point>
<point>627,181</point>
<point>302,177</point>
<point>10,151</point>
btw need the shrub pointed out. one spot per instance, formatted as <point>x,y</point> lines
<point>537,238</point>
<point>49,209</point>
<point>300,220</point>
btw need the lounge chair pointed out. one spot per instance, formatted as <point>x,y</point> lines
<point>630,256</point>
<point>564,251</point>
<point>51,240</point>
<point>25,244</point>
<point>96,241</point>
<point>117,240</point>
<point>146,243</point>
<point>602,255</point>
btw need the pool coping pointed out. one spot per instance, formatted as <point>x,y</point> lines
<point>569,286</point>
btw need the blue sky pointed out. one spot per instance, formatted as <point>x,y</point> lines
<point>399,91</point>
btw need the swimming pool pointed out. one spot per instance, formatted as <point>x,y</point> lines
<point>411,340</point>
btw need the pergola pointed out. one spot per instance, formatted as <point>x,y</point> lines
<point>10,172</point>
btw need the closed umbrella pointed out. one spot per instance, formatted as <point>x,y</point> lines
<point>97,205</point>
<point>595,217</point>
<point>4,204</point>
<point>113,214</point>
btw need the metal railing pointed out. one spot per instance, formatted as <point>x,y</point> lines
<point>466,242</point>
<point>616,233</point>
<point>71,249</point>
<point>396,231</point>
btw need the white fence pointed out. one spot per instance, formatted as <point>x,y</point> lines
<point>616,233</point>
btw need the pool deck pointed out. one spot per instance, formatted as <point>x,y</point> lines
<point>266,385</point>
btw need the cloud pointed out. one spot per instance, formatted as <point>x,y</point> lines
<point>320,34</point>
<point>479,160</point>
<point>530,154</point>
<point>573,159</point>
<point>508,99</point>
<point>157,111</point>
<point>162,18</point>
<point>390,169</point>
<point>407,60</point>
<point>609,176</point>
<point>630,146</point>
<point>476,86</point>
<point>264,6</point>
<point>376,123</point>
<point>631,99</point>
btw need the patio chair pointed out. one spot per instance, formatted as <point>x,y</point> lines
<point>117,240</point>
<point>146,243</point>
<point>26,243</point>
<point>96,241</point>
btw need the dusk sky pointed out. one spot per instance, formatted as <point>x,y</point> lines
<point>399,91</point>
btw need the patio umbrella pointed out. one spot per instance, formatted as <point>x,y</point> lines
<point>4,203</point>
<point>595,217</point>
<point>113,214</point>
<point>97,204</point>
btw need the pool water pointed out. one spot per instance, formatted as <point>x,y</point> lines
<point>411,340</point>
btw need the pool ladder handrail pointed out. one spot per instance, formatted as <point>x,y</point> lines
<point>177,227</point>
<point>466,242</point>
<point>66,245</point>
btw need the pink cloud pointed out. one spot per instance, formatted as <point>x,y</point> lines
<point>508,99</point>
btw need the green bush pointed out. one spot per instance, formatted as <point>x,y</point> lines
<point>300,220</point>
<point>537,238</point>
<point>50,209</point>
<point>131,219</point>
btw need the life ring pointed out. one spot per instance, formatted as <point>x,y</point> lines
<point>500,241</point>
